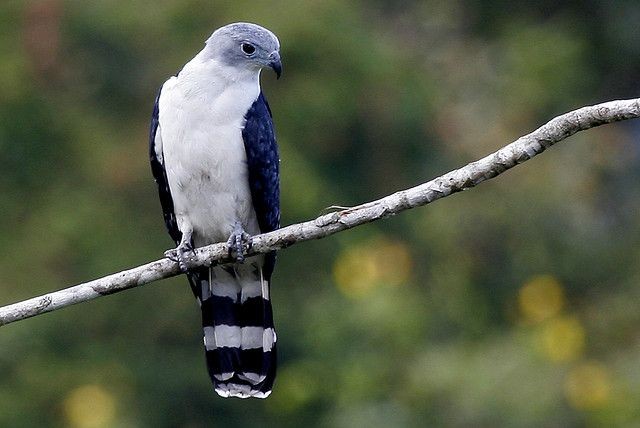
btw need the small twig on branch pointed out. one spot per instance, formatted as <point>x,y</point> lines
<point>466,177</point>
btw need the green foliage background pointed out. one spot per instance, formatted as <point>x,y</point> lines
<point>515,304</point>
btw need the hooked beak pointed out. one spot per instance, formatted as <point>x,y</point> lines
<point>274,62</point>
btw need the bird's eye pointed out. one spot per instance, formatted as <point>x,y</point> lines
<point>248,48</point>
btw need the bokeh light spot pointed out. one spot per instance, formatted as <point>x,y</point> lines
<point>588,386</point>
<point>562,339</point>
<point>296,387</point>
<point>540,298</point>
<point>361,268</point>
<point>90,406</point>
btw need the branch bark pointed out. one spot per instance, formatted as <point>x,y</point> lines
<point>469,176</point>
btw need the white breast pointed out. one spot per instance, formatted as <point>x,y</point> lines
<point>201,120</point>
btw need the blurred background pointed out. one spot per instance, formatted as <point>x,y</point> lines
<point>514,304</point>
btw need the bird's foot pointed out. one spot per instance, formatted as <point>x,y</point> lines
<point>239,242</point>
<point>183,254</point>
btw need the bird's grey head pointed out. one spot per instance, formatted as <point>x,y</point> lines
<point>245,45</point>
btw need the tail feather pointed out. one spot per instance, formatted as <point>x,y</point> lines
<point>239,336</point>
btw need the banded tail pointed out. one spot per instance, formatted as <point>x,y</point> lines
<point>237,321</point>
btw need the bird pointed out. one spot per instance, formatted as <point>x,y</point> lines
<point>215,161</point>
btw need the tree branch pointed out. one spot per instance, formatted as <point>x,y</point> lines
<point>519,151</point>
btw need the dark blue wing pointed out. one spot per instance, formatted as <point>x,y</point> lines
<point>263,163</point>
<point>160,175</point>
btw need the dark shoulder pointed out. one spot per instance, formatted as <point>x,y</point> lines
<point>259,110</point>
<point>160,174</point>
<point>258,133</point>
<point>262,162</point>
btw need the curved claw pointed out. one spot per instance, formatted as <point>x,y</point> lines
<point>180,256</point>
<point>238,242</point>
<point>172,255</point>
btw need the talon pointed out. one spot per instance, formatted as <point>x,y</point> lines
<point>188,247</point>
<point>172,255</point>
<point>179,255</point>
<point>239,242</point>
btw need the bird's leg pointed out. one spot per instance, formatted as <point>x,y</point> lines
<point>238,241</point>
<point>180,253</point>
